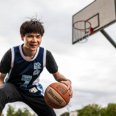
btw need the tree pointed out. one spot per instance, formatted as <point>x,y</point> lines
<point>19,112</point>
<point>65,114</point>
<point>90,110</point>
<point>111,109</point>
<point>103,112</point>
<point>10,111</point>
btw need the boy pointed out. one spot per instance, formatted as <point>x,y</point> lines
<point>24,64</point>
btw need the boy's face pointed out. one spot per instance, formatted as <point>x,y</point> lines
<point>32,41</point>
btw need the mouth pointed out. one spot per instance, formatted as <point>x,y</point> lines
<point>33,45</point>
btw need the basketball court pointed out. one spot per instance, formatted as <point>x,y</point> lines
<point>95,17</point>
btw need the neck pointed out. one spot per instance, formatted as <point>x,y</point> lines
<point>28,53</point>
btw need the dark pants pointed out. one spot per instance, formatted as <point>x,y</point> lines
<point>9,94</point>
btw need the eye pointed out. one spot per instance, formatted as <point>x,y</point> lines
<point>38,36</point>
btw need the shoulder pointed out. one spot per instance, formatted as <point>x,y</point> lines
<point>48,53</point>
<point>7,54</point>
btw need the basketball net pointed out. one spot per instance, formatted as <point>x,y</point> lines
<point>82,29</point>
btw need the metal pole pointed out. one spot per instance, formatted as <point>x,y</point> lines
<point>108,37</point>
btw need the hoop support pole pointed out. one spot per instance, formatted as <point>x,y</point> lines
<point>108,37</point>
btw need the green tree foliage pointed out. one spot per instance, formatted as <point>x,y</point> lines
<point>89,110</point>
<point>65,114</point>
<point>111,109</point>
<point>11,112</point>
<point>96,110</point>
<point>103,112</point>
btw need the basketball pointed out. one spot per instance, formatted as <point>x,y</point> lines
<point>57,95</point>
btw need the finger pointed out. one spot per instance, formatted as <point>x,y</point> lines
<point>65,83</point>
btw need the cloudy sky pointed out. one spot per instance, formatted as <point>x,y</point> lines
<point>90,65</point>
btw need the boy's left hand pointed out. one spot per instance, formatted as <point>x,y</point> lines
<point>68,84</point>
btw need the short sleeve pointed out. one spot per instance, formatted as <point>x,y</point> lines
<point>51,64</point>
<point>5,63</point>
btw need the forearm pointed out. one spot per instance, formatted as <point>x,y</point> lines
<point>59,77</point>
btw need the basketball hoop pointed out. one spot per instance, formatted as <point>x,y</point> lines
<point>82,29</point>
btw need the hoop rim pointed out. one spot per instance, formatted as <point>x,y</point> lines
<point>83,28</point>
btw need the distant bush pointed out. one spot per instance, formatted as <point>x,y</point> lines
<point>96,110</point>
<point>20,112</point>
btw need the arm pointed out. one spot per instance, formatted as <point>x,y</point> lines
<point>52,67</point>
<point>2,76</point>
<point>5,64</point>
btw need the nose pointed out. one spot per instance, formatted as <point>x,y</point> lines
<point>34,39</point>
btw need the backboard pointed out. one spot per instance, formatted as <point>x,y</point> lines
<point>94,17</point>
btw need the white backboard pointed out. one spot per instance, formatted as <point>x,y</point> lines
<point>99,14</point>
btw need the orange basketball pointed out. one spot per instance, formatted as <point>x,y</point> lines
<point>57,95</point>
